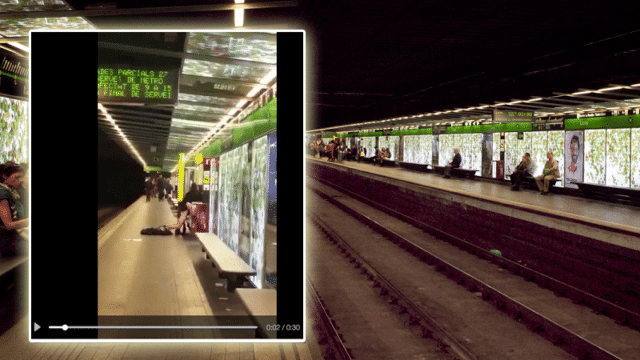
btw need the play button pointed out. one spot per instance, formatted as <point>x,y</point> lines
<point>35,327</point>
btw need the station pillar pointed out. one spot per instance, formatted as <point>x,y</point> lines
<point>180,177</point>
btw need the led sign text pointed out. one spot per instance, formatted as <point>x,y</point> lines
<point>121,84</point>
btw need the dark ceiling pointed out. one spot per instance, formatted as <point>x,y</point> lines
<point>372,60</point>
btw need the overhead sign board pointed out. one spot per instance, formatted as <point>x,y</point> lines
<point>548,126</point>
<point>14,75</point>
<point>135,85</point>
<point>512,116</point>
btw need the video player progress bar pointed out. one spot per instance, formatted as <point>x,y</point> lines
<point>219,327</point>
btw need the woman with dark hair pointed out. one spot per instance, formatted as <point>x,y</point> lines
<point>12,212</point>
<point>184,207</point>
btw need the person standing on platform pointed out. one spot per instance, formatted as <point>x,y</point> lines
<point>523,170</point>
<point>161,187</point>
<point>148,187</point>
<point>455,163</point>
<point>550,172</point>
<point>168,188</point>
<point>13,220</point>
<point>330,150</point>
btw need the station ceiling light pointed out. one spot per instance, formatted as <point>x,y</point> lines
<point>238,15</point>
<point>611,88</point>
<point>119,131</point>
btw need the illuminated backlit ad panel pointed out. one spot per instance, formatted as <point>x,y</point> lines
<point>417,149</point>
<point>390,142</point>
<point>556,146</point>
<point>595,156</point>
<point>495,154</point>
<point>539,146</point>
<point>231,174</point>
<point>473,147</point>
<point>14,133</point>
<point>445,152</point>
<point>635,158</point>
<point>511,154</point>
<point>618,162</point>
<point>369,143</point>
<point>258,208</point>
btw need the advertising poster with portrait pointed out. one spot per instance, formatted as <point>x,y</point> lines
<point>574,158</point>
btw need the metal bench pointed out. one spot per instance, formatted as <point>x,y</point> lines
<point>460,172</point>
<point>609,193</point>
<point>464,172</point>
<point>531,182</point>
<point>417,167</point>
<point>230,266</point>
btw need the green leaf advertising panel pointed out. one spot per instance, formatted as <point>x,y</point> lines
<point>14,132</point>
<point>635,158</point>
<point>556,146</point>
<point>595,156</point>
<point>417,149</point>
<point>539,145</point>
<point>618,162</point>
<point>392,143</point>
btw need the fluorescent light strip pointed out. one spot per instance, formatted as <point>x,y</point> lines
<point>113,123</point>
<point>611,88</point>
<point>20,46</point>
<point>207,137</point>
<point>238,15</point>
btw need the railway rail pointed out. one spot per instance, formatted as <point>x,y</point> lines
<point>480,277</point>
<point>360,315</point>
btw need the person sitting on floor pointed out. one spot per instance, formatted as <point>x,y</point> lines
<point>523,170</point>
<point>454,164</point>
<point>550,172</point>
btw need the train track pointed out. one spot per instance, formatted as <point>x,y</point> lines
<point>352,323</point>
<point>489,281</point>
<point>607,287</point>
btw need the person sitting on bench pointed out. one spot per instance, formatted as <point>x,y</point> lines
<point>523,170</point>
<point>384,155</point>
<point>457,159</point>
<point>550,172</point>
